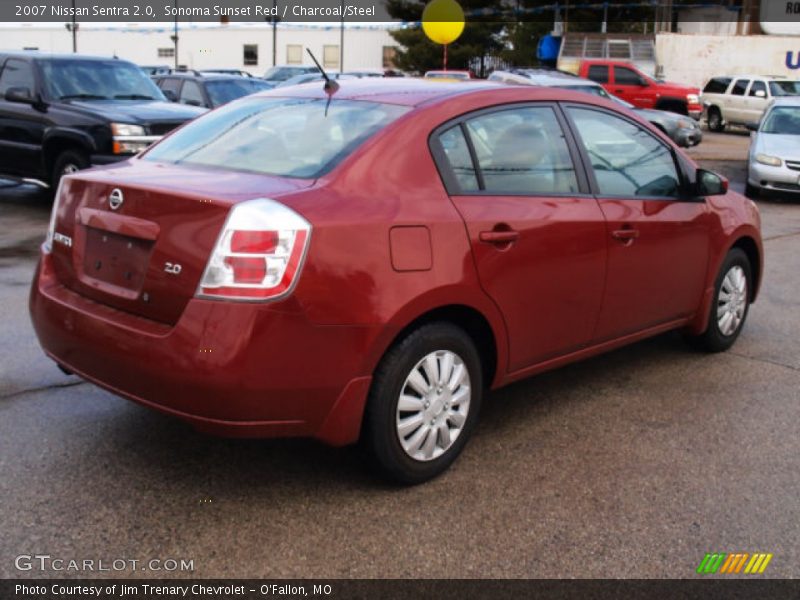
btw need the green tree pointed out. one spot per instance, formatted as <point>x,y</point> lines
<point>482,37</point>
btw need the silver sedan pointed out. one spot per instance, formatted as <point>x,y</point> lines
<point>773,165</point>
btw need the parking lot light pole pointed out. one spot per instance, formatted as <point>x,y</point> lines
<point>175,34</point>
<point>73,28</point>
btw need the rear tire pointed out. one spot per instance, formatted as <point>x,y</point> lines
<point>715,122</point>
<point>67,162</point>
<point>732,292</point>
<point>423,403</point>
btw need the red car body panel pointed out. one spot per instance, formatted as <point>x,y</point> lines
<point>649,96</point>
<point>389,247</point>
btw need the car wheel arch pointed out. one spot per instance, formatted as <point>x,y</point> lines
<point>57,143</point>
<point>748,245</point>
<point>483,324</point>
<point>745,241</point>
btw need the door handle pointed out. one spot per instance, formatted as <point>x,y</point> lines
<point>619,92</point>
<point>625,235</point>
<point>498,237</point>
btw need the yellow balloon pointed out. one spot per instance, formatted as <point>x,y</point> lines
<point>443,21</point>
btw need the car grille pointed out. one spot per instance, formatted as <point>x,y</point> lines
<point>790,187</point>
<point>793,165</point>
<point>162,128</point>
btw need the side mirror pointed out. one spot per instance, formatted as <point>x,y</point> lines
<point>21,95</point>
<point>752,126</point>
<point>708,183</point>
<point>643,83</point>
<point>170,95</point>
<point>761,94</point>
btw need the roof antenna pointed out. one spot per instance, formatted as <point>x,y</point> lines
<point>330,87</point>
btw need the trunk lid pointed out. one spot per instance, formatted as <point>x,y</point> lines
<point>147,255</point>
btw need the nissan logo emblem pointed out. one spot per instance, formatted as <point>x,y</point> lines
<point>115,199</point>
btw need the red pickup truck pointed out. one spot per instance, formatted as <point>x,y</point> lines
<point>625,81</point>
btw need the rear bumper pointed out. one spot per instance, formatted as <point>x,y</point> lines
<point>233,369</point>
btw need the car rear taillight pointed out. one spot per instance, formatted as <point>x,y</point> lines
<point>258,254</point>
<point>51,229</point>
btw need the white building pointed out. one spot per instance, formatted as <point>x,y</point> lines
<point>246,46</point>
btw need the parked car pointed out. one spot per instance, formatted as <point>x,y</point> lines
<point>367,266</point>
<point>682,130</point>
<point>310,77</point>
<point>773,164</point>
<point>238,72</point>
<point>626,81</point>
<point>742,99</point>
<point>153,70</point>
<point>460,75</point>
<point>62,113</point>
<point>208,90</point>
<point>281,73</point>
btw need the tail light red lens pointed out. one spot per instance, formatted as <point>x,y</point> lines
<point>259,253</point>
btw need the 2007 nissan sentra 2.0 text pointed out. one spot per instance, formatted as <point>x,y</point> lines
<point>364,266</point>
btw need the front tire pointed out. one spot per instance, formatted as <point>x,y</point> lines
<point>67,162</point>
<point>751,191</point>
<point>715,122</point>
<point>732,292</point>
<point>423,403</point>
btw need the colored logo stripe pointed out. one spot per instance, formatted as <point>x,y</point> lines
<point>733,563</point>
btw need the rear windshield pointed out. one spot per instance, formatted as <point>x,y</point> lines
<point>288,137</point>
<point>785,88</point>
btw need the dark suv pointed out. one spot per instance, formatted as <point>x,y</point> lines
<point>63,113</point>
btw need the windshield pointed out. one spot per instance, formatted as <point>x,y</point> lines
<point>289,137</point>
<point>784,88</point>
<point>223,91</point>
<point>67,79</point>
<point>595,90</point>
<point>782,119</point>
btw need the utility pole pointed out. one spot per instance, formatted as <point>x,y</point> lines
<point>175,34</point>
<point>275,33</point>
<point>73,28</point>
<point>341,42</point>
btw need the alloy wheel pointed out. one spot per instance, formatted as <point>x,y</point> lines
<point>732,300</point>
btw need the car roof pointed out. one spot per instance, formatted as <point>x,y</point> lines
<point>202,76</point>
<point>752,76</point>
<point>38,54</point>
<point>408,91</point>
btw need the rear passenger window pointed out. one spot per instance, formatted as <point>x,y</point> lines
<point>457,152</point>
<point>739,87</point>
<point>170,84</point>
<point>758,86</point>
<point>718,85</point>
<point>598,73</point>
<point>522,151</point>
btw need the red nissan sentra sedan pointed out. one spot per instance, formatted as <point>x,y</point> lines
<point>365,268</point>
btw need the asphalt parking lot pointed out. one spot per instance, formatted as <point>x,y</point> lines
<point>633,464</point>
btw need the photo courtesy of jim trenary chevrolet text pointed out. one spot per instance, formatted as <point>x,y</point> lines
<point>399,299</point>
